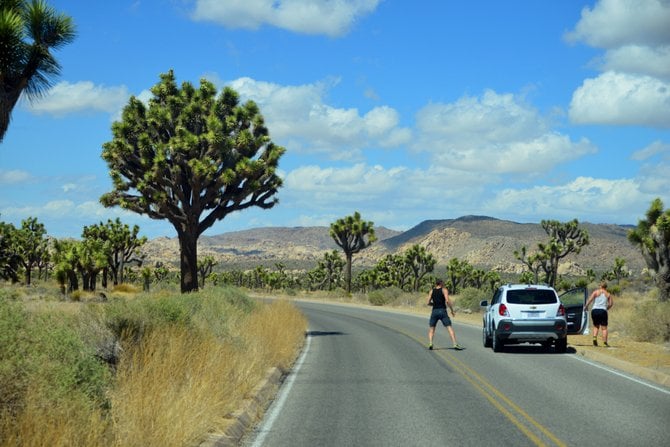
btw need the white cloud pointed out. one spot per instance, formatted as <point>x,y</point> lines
<point>655,148</point>
<point>604,200</point>
<point>633,88</point>
<point>615,23</point>
<point>494,134</point>
<point>653,175</point>
<point>298,118</point>
<point>637,59</point>
<point>329,17</point>
<point>65,98</point>
<point>622,99</point>
<point>14,176</point>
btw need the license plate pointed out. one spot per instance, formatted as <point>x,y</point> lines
<point>532,314</point>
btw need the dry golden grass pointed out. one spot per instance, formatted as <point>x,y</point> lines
<point>172,389</point>
<point>176,387</point>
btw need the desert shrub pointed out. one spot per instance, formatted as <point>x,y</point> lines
<point>469,298</point>
<point>615,289</point>
<point>651,321</point>
<point>125,288</point>
<point>385,296</point>
<point>76,295</point>
<point>43,353</point>
<point>13,351</point>
<point>10,294</point>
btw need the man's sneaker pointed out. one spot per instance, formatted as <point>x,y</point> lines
<point>606,345</point>
<point>595,342</point>
<point>430,346</point>
<point>458,347</point>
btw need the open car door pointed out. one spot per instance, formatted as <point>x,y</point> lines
<point>574,300</point>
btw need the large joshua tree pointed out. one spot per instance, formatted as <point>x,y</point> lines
<point>28,33</point>
<point>352,235</point>
<point>192,157</point>
<point>652,235</point>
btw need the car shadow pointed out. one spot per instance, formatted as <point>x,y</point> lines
<point>322,333</point>
<point>534,349</point>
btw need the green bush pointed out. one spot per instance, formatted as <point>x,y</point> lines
<point>13,350</point>
<point>385,296</point>
<point>651,321</point>
<point>469,298</point>
<point>44,351</point>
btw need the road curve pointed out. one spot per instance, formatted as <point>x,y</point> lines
<point>367,379</point>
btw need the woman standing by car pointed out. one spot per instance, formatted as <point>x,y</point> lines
<point>602,302</point>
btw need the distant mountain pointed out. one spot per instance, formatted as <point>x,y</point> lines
<point>485,242</point>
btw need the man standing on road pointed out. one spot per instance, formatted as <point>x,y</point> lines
<point>438,297</point>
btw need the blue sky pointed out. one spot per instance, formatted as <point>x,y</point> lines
<point>404,111</point>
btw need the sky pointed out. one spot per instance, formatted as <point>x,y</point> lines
<point>404,111</point>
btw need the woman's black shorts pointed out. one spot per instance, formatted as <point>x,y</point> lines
<point>599,317</point>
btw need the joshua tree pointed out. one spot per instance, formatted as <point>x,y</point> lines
<point>352,235</point>
<point>191,157</point>
<point>28,31</point>
<point>652,235</point>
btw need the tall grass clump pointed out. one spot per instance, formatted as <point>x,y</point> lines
<point>383,297</point>
<point>51,384</point>
<point>651,321</point>
<point>469,298</point>
<point>148,370</point>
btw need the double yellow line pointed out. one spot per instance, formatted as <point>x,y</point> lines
<point>516,415</point>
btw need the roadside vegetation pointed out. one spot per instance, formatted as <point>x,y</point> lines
<point>123,371</point>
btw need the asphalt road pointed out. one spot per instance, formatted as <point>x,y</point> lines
<point>366,378</point>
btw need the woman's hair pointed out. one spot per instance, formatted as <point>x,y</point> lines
<point>439,282</point>
<point>603,285</point>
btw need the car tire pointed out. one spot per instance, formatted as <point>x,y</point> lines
<point>496,343</point>
<point>562,345</point>
<point>486,338</point>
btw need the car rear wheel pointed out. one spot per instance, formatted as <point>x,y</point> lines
<point>562,345</point>
<point>496,343</point>
<point>486,338</point>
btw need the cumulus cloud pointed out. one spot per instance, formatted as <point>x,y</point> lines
<point>622,99</point>
<point>298,118</point>
<point>395,195</point>
<point>615,23</point>
<point>329,17</point>
<point>655,148</point>
<point>13,177</point>
<point>653,177</point>
<point>495,134</point>
<point>634,87</point>
<point>641,60</point>
<point>65,98</point>
<point>605,200</point>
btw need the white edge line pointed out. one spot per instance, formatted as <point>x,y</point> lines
<point>626,376</point>
<point>278,404</point>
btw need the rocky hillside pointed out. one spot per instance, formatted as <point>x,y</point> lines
<point>483,241</point>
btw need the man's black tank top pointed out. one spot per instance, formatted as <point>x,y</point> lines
<point>438,299</point>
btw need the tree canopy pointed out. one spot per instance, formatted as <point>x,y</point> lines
<point>652,236</point>
<point>191,156</point>
<point>29,30</point>
<point>352,235</point>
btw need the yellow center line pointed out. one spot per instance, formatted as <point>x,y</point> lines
<point>490,393</point>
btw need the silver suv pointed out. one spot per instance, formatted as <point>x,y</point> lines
<point>522,313</point>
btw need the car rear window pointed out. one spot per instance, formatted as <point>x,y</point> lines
<point>531,296</point>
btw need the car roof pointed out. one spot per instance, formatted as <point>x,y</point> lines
<point>527,286</point>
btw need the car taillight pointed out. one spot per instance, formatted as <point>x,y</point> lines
<point>502,310</point>
<point>561,311</point>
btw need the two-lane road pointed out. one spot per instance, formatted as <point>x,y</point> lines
<point>367,379</point>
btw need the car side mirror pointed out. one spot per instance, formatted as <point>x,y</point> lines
<point>483,303</point>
